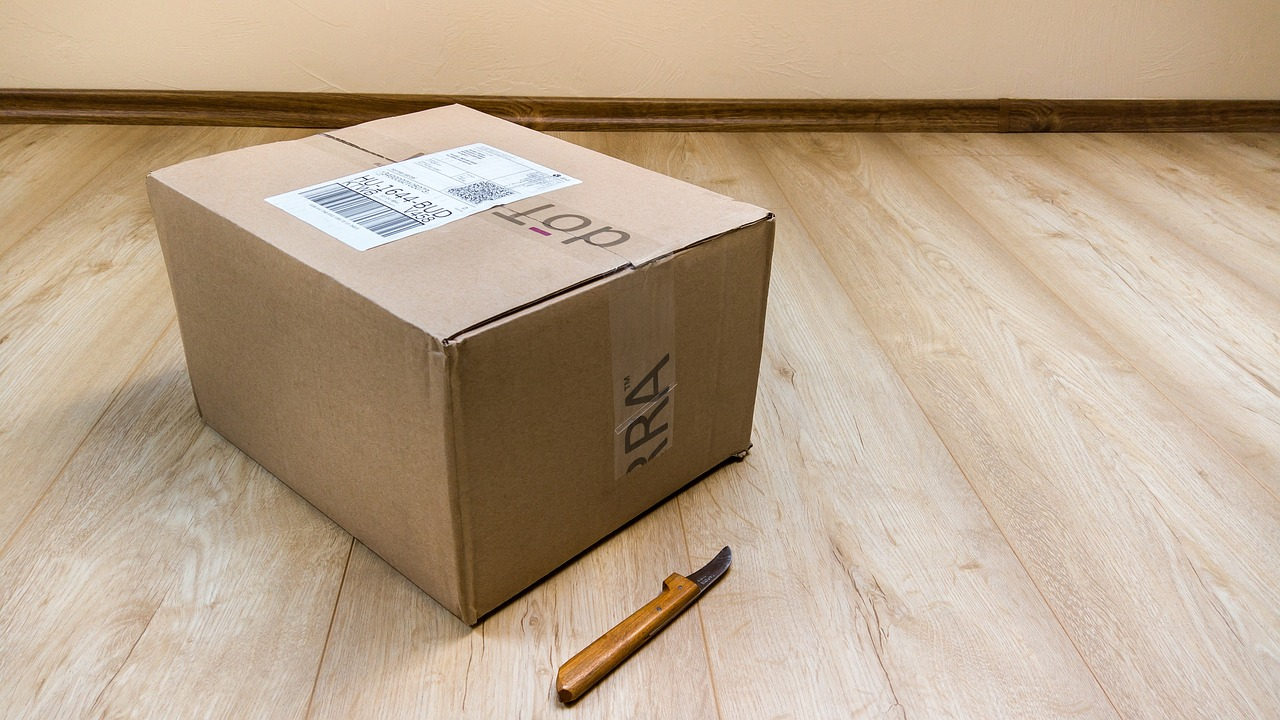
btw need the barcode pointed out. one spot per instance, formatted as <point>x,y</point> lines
<point>480,192</point>
<point>368,214</point>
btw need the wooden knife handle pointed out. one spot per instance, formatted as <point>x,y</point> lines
<point>602,656</point>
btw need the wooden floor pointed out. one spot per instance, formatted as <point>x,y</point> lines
<point>1017,454</point>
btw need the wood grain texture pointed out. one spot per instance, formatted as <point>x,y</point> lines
<point>904,589</point>
<point>87,275</point>
<point>990,478</point>
<point>1253,152</point>
<point>948,144</point>
<point>45,165</point>
<point>1106,115</point>
<point>393,652</point>
<point>322,110</point>
<point>165,574</point>
<point>1136,281</point>
<point>1100,484</point>
<point>1243,162</point>
<point>1173,187</point>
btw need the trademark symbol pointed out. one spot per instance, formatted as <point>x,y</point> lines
<point>652,397</point>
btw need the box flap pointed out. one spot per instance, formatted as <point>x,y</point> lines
<point>459,276</point>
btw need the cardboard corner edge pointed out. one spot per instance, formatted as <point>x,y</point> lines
<point>451,350</point>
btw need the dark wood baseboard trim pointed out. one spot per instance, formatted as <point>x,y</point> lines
<point>324,110</point>
<point>1143,116</point>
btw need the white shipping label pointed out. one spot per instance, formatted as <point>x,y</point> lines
<point>374,207</point>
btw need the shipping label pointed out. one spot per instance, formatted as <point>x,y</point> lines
<point>391,202</point>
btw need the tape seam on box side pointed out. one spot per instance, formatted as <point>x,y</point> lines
<point>642,321</point>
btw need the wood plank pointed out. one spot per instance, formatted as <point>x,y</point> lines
<point>1254,151</point>
<point>84,296</point>
<point>1207,339</point>
<point>1210,211</point>
<point>166,574</point>
<point>45,165</point>
<point>1265,143</point>
<point>1238,164</point>
<point>910,601</point>
<point>1154,548</point>
<point>929,144</point>
<point>1242,167</point>
<point>393,652</point>
<point>252,591</point>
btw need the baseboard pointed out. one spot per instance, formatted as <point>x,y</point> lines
<point>324,110</point>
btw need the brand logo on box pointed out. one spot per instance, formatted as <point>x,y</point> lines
<point>576,225</point>
<point>648,432</point>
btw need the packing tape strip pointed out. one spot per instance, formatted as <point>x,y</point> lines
<point>642,320</point>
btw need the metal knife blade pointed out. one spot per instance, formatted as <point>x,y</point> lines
<point>711,572</point>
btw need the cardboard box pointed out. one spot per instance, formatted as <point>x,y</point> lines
<point>481,401</point>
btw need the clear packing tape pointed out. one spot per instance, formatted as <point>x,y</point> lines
<point>641,319</point>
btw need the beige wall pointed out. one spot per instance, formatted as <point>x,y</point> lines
<point>714,48</point>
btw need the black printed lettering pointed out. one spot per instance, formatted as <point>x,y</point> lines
<point>592,238</point>
<point>646,422</point>
<point>512,216</point>
<point>650,379</point>
<point>640,461</point>
<point>577,221</point>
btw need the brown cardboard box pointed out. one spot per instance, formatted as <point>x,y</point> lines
<point>482,401</point>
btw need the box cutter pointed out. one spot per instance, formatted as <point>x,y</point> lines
<point>600,657</point>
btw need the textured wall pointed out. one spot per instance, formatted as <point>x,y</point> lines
<point>712,48</point>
